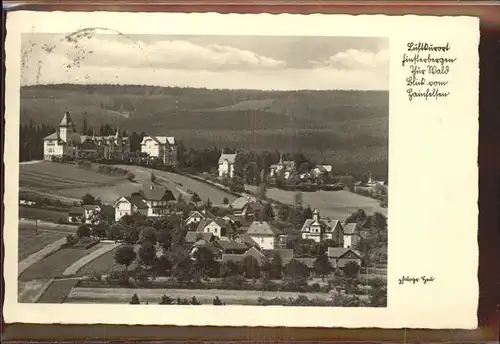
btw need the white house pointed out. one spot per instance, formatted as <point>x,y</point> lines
<point>196,216</point>
<point>264,234</point>
<point>321,169</point>
<point>62,142</point>
<point>162,147</point>
<point>286,167</point>
<point>226,165</point>
<point>88,214</point>
<point>351,235</point>
<point>128,205</point>
<point>152,201</point>
<point>219,227</point>
<point>319,229</point>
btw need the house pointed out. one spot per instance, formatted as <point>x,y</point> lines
<point>219,227</point>
<point>247,206</point>
<point>351,235</point>
<point>156,198</point>
<point>372,182</point>
<point>321,169</point>
<point>216,252</point>
<point>161,147</point>
<point>264,234</point>
<point>128,205</point>
<point>319,229</point>
<point>235,220</point>
<point>340,256</point>
<point>91,213</point>
<point>239,258</point>
<point>195,216</point>
<point>247,240</point>
<point>108,147</point>
<point>76,214</point>
<point>284,167</point>
<point>88,214</point>
<point>193,237</point>
<point>226,165</point>
<point>152,201</point>
<point>66,141</point>
<point>231,247</point>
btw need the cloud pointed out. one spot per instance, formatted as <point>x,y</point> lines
<point>354,59</point>
<point>167,54</point>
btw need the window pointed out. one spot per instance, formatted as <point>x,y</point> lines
<point>50,150</point>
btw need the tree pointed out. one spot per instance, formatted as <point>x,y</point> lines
<point>165,300</point>
<point>135,300</point>
<point>83,231</point>
<point>195,198</point>
<point>208,204</point>
<point>225,200</point>
<point>194,301</point>
<point>130,176</point>
<point>164,237</point>
<point>251,268</point>
<point>115,232</point>
<point>351,269</point>
<point>204,262</point>
<point>296,271</point>
<point>100,229</point>
<point>125,255</point>
<point>89,199</point>
<point>322,265</point>
<point>130,234</point>
<point>147,253</point>
<point>217,301</point>
<point>148,234</point>
<point>162,266</point>
<point>267,212</point>
<point>307,213</point>
<point>153,177</point>
<point>276,267</point>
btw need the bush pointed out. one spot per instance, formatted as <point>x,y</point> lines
<point>83,231</point>
<point>130,176</point>
<point>71,240</point>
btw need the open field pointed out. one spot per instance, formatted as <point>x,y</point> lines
<point>334,204</point>
<point>41,214</point>
<point>27,291</point>
<point>58,291</point>
<point>123,295</point>
<point>30,242</point>
<point>54,265</point>
<point>68,180</point>
<point>205,191</point>
<point>101,265</point>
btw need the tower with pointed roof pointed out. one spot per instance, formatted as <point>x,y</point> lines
<point>66,127</point>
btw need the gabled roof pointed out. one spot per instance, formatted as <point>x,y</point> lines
<point>66,120</point>
<point>247,240</point>
<point>350,228</point>
<point>201,226</point>
<point>152,192</point>
<point>338,252</point>
<point>229,157</point>
<point>192,237</point>
<point>241,202</point>
<point>203,214</point>
<point>252,251</point>
<point>162,140</point>
<point>236,258</point>
<point>331,224</point>
<point>53,136</point>
<point>91,207</point>
<point>262,228</point>
<point>134,200</point>
<point>309,262</point>
<point>231,245</point>
<point>76,210</point>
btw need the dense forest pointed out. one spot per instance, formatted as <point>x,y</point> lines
<point>348,129</point>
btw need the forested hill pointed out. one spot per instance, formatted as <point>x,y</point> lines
<point>349,127</point>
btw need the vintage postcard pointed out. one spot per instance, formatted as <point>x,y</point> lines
<point>241,170</point>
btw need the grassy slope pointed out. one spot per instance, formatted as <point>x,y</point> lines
<point>29,242</point>
<point>343,125</point>
<point>69,180</point>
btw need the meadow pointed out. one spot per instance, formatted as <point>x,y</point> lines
<point>30,242</point>
<point>334,204</point>
<point>68,180</point>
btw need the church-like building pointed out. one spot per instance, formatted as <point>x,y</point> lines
<point>66,141</point>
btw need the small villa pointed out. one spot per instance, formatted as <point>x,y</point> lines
<point>226,165</point>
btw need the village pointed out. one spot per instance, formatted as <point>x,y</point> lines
<point>166,238</point>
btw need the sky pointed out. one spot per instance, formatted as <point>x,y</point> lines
<point>224,62</point>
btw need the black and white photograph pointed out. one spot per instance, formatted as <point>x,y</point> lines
<point>203,169</point>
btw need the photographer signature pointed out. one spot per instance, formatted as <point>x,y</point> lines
<point>415,280</point>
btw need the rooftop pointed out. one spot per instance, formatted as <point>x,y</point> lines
<point>262,228</point>
<point>229,157</point>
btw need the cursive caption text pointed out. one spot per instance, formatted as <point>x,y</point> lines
<point>415,280</point>
<point>428,67</point>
